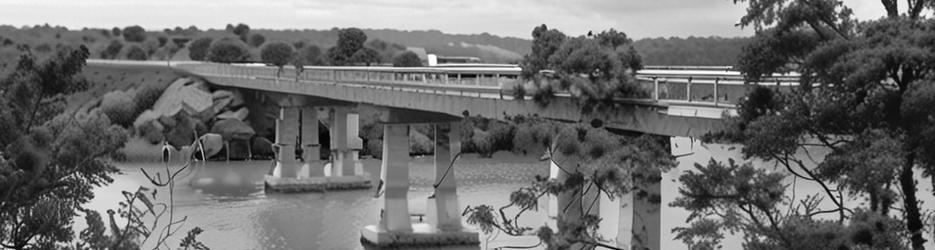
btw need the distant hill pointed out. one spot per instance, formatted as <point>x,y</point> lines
<point>699,51</point>
<point>490,48</point>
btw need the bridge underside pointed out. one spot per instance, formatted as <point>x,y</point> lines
<point>430,106</point>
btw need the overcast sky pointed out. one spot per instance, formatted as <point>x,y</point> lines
<point>638,18</point>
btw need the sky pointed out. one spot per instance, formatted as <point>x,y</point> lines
<point>515,18</point>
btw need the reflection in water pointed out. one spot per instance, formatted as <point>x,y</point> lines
<point>228,201</point>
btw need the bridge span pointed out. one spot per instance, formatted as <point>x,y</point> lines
<point>683,102</point>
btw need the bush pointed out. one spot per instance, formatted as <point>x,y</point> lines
<point>256,40</point>
<point>374,148</point>
<point>482,143</point>
<point>407,59</point>
<point>228,51</point>
<point>198,49</point>
<point>310,55</point>
<point>135,52</point>
<point>112,50</point>
<point>151,131</point>
<point>162,40</point>
<point>277,53</point>
<point>366,56</point>
<point>420,144</point>
<point>119,107</point>
<point>151,45</point>
<point>145,98</point>
<point>134,33</point>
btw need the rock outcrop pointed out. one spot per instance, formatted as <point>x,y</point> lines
<point>188,107</point>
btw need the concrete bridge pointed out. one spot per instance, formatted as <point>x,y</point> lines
<point>684,102</point>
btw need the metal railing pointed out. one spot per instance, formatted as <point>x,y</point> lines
<point>667,85</point>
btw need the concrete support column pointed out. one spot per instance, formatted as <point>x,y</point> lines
<point>647,219</point>
<point>287,132</point>
<point>395,171</point>
<point>443,208</point>
<point>311,146</point>
<point>345,143</point>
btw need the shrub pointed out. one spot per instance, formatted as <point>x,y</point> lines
<point>277,53</point>
<point>162,40</point>
<point>374,148</point>
<point>256,40</point>
<point>119,107</point>
<point>407,59</point>
<point>116,31</point>
<point>112,49</point>
<point>135,52</point>
<point>134,33</point>
<point>420,144</point>
<point>198,49</point>
<point>145,98</point>
<point>482,143</point>
<point>151,131</point>
<point>151,45</point>
<point>366,56</point>
<point>228,51</point>
<point>310,55</point>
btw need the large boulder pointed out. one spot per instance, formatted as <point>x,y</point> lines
<point>233,129</point>
<point>184,94</point>
<point>239,115</point>
<point>211,143</point>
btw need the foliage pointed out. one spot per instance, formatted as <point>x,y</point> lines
<point>700,51</point>
<point>120,107</point>
<point>861,95</point>
<point>228,51</point>
<point>135,52</point>
<point>407,59</point>
<point>310,55</point>
<point>112,50</point>
<point>277,53</point>
<point>366,56</point>
<point>49,161</point>
<point>740,198</point>
<point>134,33</point>
<point>350,40</point>
<point>241,30</point>
<point>256,40</point>
<point>591,160</point>
<point>595,70</point>
<point>198,49</point>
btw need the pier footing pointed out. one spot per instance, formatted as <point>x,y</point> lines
<point>422,235</point>
<point>317,183</point>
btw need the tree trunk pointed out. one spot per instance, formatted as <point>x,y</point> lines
<point>913,216</point>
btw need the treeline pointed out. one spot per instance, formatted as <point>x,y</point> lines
<point>699,51</point>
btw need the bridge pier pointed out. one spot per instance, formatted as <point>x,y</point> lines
<point>444,220</point>
<point>345,143</point>
<point>298,160</point>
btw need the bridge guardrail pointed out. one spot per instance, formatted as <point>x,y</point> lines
<point>692,86</point>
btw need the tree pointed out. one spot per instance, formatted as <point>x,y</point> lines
<point>256,40</point>
<point>112,49</point>
<point>228,51</point>
<point>116,31</point>
<point>198,49</point>
<point>134,33</point>
<point>278,54</point>
<point>594,70</point>
<point>591,161</point>
<point>49,161</point>
<point>407,59</point>
<point>241,30</point>
<point>861,97</point>
<point>366,56</point>
<point>310,55</point>
<point>350,40</point>
<point>136,53</point>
